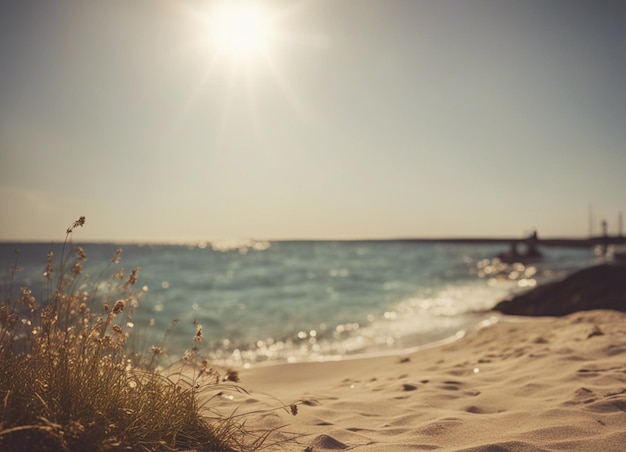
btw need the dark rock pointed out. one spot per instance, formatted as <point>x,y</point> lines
<point>599,287</point>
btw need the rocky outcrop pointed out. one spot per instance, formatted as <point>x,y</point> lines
<point>599,287</point>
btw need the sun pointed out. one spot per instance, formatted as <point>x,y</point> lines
<point>240,30</point>
<point>242,48</point>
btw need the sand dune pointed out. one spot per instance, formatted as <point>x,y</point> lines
<point>522,385</point>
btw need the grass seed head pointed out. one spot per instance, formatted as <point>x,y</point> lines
<point>80,253</point>
<point>117,256</point>
<point>198,336</point>
<point>78,223</point>
<point>77,269</point>
<point>134,276</point>
<point>119,306</point>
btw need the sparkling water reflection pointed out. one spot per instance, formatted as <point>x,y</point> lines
<point>289,301</point>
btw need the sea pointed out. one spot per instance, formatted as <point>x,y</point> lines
<point>265,302</point>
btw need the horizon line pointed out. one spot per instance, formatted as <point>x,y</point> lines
<point>468,239</point>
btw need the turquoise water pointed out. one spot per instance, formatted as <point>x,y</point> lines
<point>293,301</point>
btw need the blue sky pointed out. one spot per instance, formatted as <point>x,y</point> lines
<point>359,119</point>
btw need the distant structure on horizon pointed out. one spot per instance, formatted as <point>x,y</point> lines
<point>604,224</point>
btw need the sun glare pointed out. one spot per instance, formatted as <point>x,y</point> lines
<point>240,30</point>
<point>244,45</point>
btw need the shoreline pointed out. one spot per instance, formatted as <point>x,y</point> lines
<point>521,384</point>
<point>496,317</point>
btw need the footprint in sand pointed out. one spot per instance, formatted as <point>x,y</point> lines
<point>450,385</point>
<point>475,410</point>
<point>587,372</point>
<point>582,396</point>
<point>609,405</point>
<point>323,423</point>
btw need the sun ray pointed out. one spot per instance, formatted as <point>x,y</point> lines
<point>288,92</point>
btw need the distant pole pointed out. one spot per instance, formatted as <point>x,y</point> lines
<point>590,220</point>
<point>620,224</point>
<point>605,237</point>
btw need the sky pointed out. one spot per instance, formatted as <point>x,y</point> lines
<point>337,120</point>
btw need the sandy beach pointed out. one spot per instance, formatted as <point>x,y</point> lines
<point>524,384</point>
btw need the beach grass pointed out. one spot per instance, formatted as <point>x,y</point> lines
<point>71,377</point>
